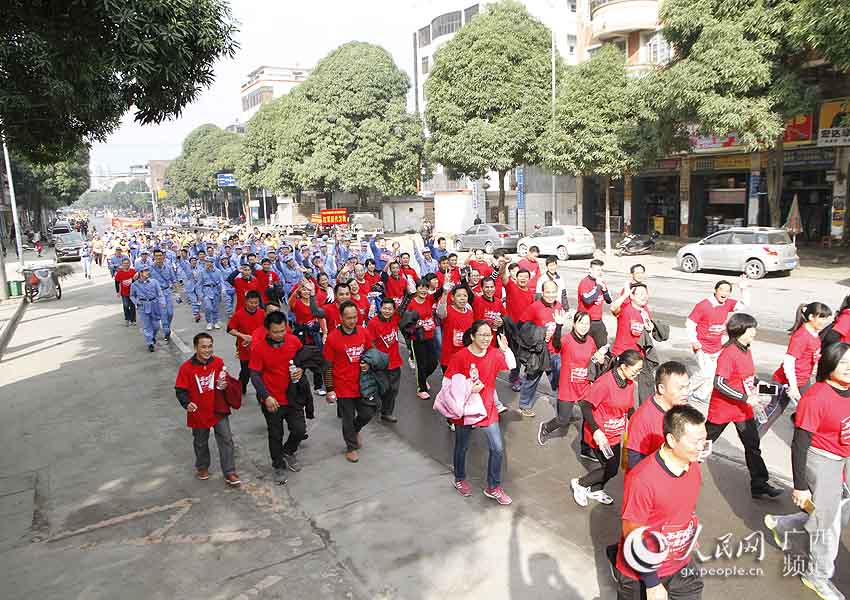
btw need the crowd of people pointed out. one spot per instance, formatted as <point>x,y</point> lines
<point>339,310</point>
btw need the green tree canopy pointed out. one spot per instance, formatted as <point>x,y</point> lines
<point>488,94</point>
<point>70,70</point>
<point>207,151</point>
<point>50,185</point>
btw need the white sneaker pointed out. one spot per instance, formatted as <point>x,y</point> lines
<point>209,326</point>
<point>217,325</point>
<point>579,492</point>
<point>321,392</point>
<point>411,363</point>
<point>601,497</point>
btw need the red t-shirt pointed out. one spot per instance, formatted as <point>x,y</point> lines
<point>631,323</point>
<point>263,279</point>
<point>825,413</point>
<point>273,363</point>
<point>332,316</point>
<point>362,302</point>
<point>737,369</point>
<point>245,323</point>
<point>488,310</point>
<point>805,347</point>
<point>517,300</point>
<point>242,287</point>
<point>482,267</point>
<point>322,296</point>
<point>542,316</point>
<point>655,498</point>
<point>710,318</point>
<point>199,380</point>
<point>594,309</point>
<point>343,352</point>
<point>454,326</point>
<point>395,288</point>
<point>611,405</point>
<point>454,276</point>
<point>302,313</point>
<point>488,367</point>
<point>385,336</point>
<point>533,267</point>
<point>371,279</point>
<point>842,326</point>
<point>646,428</point>
<point>121,277</point>
<point>426,315</point>
<point>575,359</point>
<point>411,272</point>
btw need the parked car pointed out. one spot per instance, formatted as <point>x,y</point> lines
<point>68,246</point>
<point>562,241</point>
<point>754,251</point>
<point>489,237</point>
<point>58,228</point>
<point>365,225</point>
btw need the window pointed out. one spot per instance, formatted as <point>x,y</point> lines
<point>742,237</point>
<point>573,5</point>
<point>472,230</point>
<point>658,50</point>
<point>424,36</point>
<point>469,13</point>
<point>425,65</point>
<point>774,238</point>
<point>719,239</point>
<point>445,24</point>
<point>571,45</point>
<point>499,227</point>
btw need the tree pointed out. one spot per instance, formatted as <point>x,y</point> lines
<point>132,195</point>
<point>70,70</point>
<point>745,67</point>
<point>602,124</point>
<point>488,94</point>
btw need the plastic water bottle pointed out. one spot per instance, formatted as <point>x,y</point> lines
<point>759,413</point>
<point>473,372</point>
<point>606,449</point>
<point>292,369</point>
<point>222,378</point>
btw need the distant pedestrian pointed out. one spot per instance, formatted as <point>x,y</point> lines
<point>196,385</point>
<point>123,280</point>
<point>147,296</point>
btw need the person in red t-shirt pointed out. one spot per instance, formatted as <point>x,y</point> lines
<point>592,292</point>
<point>242,325</point>
<point>371,276</point>
<point>530,264</point>
<point>342,351</point>
<point>705,327</point>
<point>272,369</point>
<point>123,280</point>
<point>488,306</point>
<point>820,455</point>
<point>457,318</point>
<point>479,262</point>
<point>196,385</point>
<point>840,330</point>
<point>660,499</point>
<point>803,353</point>
<point>407,270</point>
<point>309,325</point>
<point>518,295</point>
<point>632,320</point>
<point>268,282</point>
<point>605,408</point>
<point>734,396</point>
<point>542,313</point>
<point>243,281</point>
<point>330,312</point>
<point>361,300</point>
<point>395,284</point>
<point>425,352</point>
<point>480,362</point>
<point>383,330</point>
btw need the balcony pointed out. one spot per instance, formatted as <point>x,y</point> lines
<point>613,18</point>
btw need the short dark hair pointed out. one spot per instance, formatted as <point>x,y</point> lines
<point>441,239</point>
<point>157,251</point>
<point>370,260</point>
<point>423,283</point>
<point>345,305</point>
<point>452,255</point>
<point>665,370</point>
<point>636,285</point>
<point>265,260</point>
<point>551,260</point>
<point>738,324</point>
<point>629,358</point>
<point>250,254</point>
<point>274,318</point>
<point>253,295</point>
<point>201,336</point>
<point>830,358</point>
<point>388,300</point>
<point>403,254</point>
<point>443,258</point>
<point>678,418</point>
<point>597,263</point>
<point>722,282</point>
<point>534,249</point>
<point>340,285</point>
<point>521,271</point>
<point>635,267</point>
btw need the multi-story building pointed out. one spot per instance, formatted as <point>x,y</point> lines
<point>266,83</point>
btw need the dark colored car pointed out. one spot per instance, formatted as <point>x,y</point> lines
<point>68,245</point>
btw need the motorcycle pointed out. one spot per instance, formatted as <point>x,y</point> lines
<point>634,244</point>
<point>42,282</point>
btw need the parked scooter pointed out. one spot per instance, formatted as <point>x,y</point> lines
<point>633,244</point>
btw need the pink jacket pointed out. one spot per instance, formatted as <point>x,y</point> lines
<point>455,400</point>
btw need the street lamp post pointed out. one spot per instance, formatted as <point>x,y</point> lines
<point>18,232</point>
<point>555,220</point>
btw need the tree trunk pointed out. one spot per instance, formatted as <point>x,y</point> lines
<point>503,210</point>
<point>329,200</point>
<point>775,173</point>
<point>607,183</point>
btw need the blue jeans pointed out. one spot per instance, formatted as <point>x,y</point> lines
<point>528,391</point>
<point>494,461</point>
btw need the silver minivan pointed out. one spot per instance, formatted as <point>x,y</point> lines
<point>754,251</point>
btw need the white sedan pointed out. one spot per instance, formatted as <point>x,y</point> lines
<point>562,241</point>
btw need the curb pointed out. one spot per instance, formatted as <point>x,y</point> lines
<point>9,329</point>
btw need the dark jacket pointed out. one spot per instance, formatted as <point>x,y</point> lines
<point>646,342</point>
<point>407,323</point>
<point>533,352</point>
<point>228,398</point>
<point>374,382</point>
<point>299,393</point>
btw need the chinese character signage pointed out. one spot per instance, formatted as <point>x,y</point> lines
<point>334,216</point>
<point>226,180</point>
<point>520,188</point>
<point>834,123</point>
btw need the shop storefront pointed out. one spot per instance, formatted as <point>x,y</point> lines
<point>655,199</point>
<point>593,204</point>
<point>720,190</point>
<point>806,175</point>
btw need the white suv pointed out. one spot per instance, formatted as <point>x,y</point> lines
<point>755,251</point>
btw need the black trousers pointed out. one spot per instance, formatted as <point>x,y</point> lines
<point>684,584</point>
<point>425,354</point>
<point>749,435</point>
<point>129,309</point>
<point>599,333</point>
<point>388,399</point>
<point>294,417</point>
<point>244,375</point>
<point>607,470</point>
<point>355,415</point>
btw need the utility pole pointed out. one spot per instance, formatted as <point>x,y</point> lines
<point>555,220</point>
<point>265,211</point>
<point>15,220</point>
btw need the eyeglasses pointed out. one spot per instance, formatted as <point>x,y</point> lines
<point>484,335</point>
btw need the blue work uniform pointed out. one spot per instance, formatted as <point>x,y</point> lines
<point>167,279</point>
<point>148,298</point>
<point>211,281</point>
<point>229,292</point>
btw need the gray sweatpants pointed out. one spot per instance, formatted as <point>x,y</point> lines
<point>224,441</point>
<point>831,514</point>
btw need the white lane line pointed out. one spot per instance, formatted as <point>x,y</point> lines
<point>180,343</point>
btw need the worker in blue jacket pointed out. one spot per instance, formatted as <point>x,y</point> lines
<point>210,290</point>
<point>147,296</point>
<point>163,272</point>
